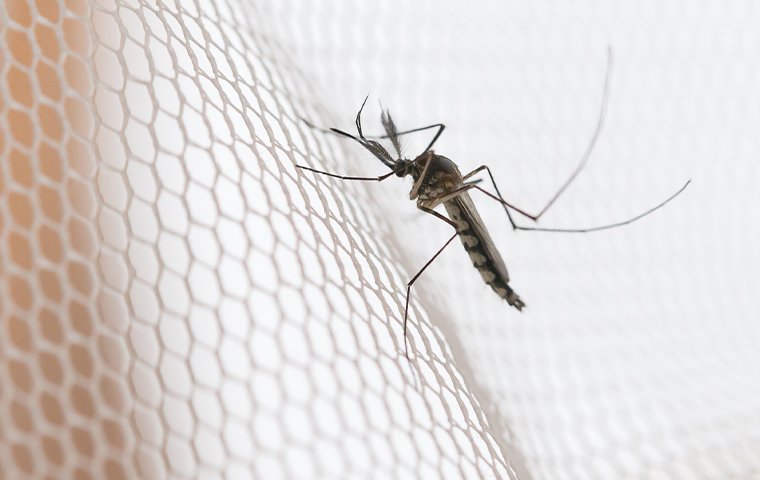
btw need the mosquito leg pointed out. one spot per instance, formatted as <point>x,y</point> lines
<point>581,164</point>
<point>417,275</point>
<point>439,216</point>
<point>444,198</point>
<point>592,143</point>
<point>439,126</point>
<point>346,177</point>
<point>416,187</point>
<point>589,229</point>
<point>503,202</point>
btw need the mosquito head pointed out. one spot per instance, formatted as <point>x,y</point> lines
<point>403,167</point>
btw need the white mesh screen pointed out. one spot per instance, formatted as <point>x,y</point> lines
<point>180,301</point>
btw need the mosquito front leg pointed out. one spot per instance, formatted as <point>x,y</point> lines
<point>441,127</point>
<point>418,183</point>
<point>346,177</point>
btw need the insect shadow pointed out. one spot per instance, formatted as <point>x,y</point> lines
<point>438,181</point>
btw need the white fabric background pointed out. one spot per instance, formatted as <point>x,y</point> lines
<point>221,314</point>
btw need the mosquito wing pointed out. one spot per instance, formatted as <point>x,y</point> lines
<point>480,247</point>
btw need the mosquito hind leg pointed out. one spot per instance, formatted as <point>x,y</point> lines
<point>504,203</point>
<point>578,168</point>
<point>427,264</point>
<point>589,229</point>
<point>411,282</point>
<point>592,142</point>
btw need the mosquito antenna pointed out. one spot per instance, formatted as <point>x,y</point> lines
<point>592,143</point>
<point>390,129</point>
<point>373,146</point>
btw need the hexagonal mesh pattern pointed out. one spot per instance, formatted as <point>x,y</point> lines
<point>178,300</point>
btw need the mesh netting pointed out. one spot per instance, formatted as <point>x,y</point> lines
<point>180,301</point>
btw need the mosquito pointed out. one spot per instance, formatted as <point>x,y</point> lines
<point>438,181</point>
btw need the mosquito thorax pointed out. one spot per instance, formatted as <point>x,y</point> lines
<point>439,169</point>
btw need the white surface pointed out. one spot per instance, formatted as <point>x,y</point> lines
<point>253,311</point>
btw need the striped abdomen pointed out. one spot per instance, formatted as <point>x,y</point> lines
<point>481,248</point>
